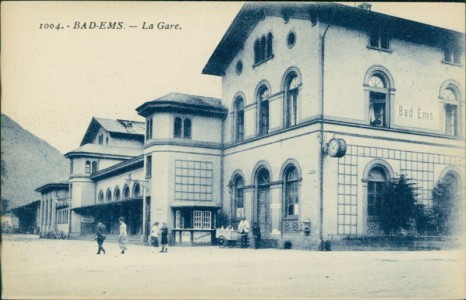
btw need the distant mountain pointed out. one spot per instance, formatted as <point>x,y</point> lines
<point>27,163</point>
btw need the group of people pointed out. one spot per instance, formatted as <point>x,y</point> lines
<point>101,234</point>
<point>154,236</point>
<point>243,230</point>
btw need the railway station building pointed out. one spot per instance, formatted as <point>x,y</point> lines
<point>322,104</point>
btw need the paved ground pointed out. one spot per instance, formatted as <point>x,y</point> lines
<point>60,269</point>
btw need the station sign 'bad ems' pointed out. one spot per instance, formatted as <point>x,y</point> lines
<point>415,116</point>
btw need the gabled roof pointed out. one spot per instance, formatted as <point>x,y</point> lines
<point>177,102</point>
<point>89,150</point>
<point>334,13</point>
<point>59,184</point>
<point>114,127</point>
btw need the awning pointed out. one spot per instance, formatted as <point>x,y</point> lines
<point>90,209</point>
<point>179,204</point>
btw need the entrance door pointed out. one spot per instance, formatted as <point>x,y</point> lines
<point>263,216</point>
<point>263,212</point>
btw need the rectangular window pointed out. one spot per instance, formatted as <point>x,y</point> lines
<point>377,109</point>
<point>71,166</point>
<point>452,55</point>
<point>207,220</point>
<point>149,166</point>
<point>177,219</point>
<point>197,219</point>
<point>101,139</point>
<point>202,219</point>
<point>149,128</point>
<point>379,39</point>
<point>194,180</point>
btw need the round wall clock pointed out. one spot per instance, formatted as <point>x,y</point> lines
<point>336,147</point>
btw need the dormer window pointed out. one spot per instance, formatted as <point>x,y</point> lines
<point>379,40</point>
<point>263,48</point>
<point>101,139</point>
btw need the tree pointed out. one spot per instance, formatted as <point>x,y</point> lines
<point>397,206</point>
<point>446,207</point>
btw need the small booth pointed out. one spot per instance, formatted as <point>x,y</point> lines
<point>194,225</point>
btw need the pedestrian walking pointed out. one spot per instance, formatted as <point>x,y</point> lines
<point>243,229</point>
<point>164,241</point>
<point>100,235</point>
<point>123,236</point>
<point>256,233</point>
<point>154,235</point>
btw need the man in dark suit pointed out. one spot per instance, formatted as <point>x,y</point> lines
<point>100,234</point>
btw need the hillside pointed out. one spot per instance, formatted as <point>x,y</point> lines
<point>27,163</point>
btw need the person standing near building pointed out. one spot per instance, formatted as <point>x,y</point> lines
<point>164,240</point>
<point>243,229</point>
<point>123,236</point>
<point>100,234</point>
<point>256,233</point>
<point>154,235</point>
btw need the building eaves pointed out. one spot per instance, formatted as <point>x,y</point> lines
<point>89,150</point>
<point>128,165</point>
<point>184,103</point>
<point>61,184</point>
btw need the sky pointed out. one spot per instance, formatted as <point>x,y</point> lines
<point>55,81</point>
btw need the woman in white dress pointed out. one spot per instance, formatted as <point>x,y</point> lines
<point>123,237</point>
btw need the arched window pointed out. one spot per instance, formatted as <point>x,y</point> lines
<point>136,190</point>
<point>88,167</point>
<point>239,119</point>
<point>379,100</point>
<point>177,127</point>
<point>377,180</point>
<point>108,198</point>
<point>263,48</point>
<point>451,111</point>
<point>94,166</point>
<point>182,128</point>
<point>257,51</point>
<point>126,194</point>
<point>263,95</point>
<point>291,99</point>
<point>117,194</point>
<point>238,194</point>
<point>100,198</point>
<point>269,50</point>
<point>290,190</point>
<point>187,128</point>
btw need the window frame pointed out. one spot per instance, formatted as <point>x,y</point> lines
<point>373,198</point>
<point>238,121</point>
<point>377,37</point>
<point>387,90</point>
<point>148,166</point>
<point>291,187</point>
<point>263,107</point>
<point>291,96</point>
<point>87,167</point>
<point>182,128</point>
<point>263,49</point>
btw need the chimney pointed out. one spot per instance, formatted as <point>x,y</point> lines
<point>365,6</point>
